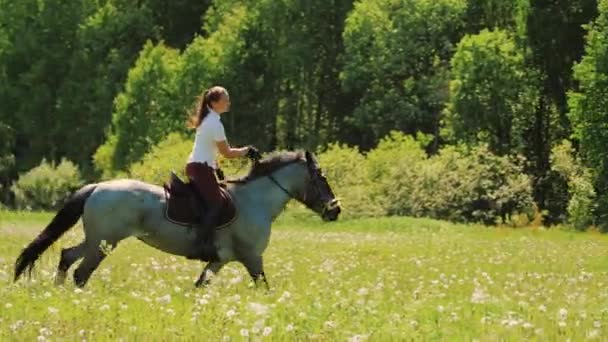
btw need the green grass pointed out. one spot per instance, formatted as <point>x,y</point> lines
<point>377,279</point>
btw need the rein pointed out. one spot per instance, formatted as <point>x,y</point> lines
<point>280,186</point>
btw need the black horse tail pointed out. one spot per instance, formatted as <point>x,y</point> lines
<point>61,223</point>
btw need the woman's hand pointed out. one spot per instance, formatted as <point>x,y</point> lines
<point>253,153</point>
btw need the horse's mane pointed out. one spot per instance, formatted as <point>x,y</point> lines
<point>270,164</point>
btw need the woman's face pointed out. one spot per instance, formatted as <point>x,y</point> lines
<point>222,105</point>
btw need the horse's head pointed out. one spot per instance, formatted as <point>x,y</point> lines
<point>317,194</point>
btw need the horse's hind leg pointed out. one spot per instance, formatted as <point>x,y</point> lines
<point>93,256</point>
<point>212,267</point>
<point>255,266</point>
<point>68,257</point>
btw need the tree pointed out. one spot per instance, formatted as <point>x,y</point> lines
<point>396,64</point>
<point>492,92</point>
<point>144,111</point>
<point>589,106</point>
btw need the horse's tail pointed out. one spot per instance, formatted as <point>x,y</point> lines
<point>61,223</point>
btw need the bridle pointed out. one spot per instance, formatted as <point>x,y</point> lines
<point>328,205</point>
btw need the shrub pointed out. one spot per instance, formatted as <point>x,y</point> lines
<point>171,154</point>
<point>581,205</point>
<point>46,186</point>
<point>392,169</point>
<point>348,175</point>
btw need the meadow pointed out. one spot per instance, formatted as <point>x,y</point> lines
<point>367,279</point>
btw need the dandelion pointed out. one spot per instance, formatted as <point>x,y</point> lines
<point>258,309</point>
<point>53,310</point>
<point>597,324</point>
<point>542,308</point>
<point>357,338</point>
<point>595,333</point>
<point>285,296</point>
<point>266,331</point>
<point>330,324</point>
<point>244,332</point>
<point>231,313</point>
<point>104,307</point>
<point>479,296</point>
<point>8,305</point>
<point>289,327</point>
<point>561,324</point>
<point>236,280</point>
<point>363,291</point>
<point>166,299</point>
<point>563,314</point>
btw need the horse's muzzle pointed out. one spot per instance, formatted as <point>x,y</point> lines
<point>331,210</point>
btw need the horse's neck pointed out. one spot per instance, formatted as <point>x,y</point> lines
<point>268,196</point>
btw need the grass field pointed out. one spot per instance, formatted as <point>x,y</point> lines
<point>375,279</point>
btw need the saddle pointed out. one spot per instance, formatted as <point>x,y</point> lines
<point>184,206</point>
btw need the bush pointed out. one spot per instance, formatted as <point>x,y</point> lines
<point>392,168</point>
<point>347,173</point>
<point>457,184</point>
<point>581,205</point>
<point>46,186</point>
<point>395,178</point>
<point>473,185</point>
<point>171,154</point>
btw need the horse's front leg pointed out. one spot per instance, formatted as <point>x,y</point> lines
<point>255,267</point>
<point>211,268</point>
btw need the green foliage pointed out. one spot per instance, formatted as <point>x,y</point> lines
<point>392,165</point>
<point>457,184</point>
<point>493,14</point>
<point>348,175</point>
<point>171,154</point>
<point>395,178</point>
<point>396,63</point>
<point>581,205</point>
<point>47,185</point>
<point>589,106</point>
<point>106,45</point>
<point>145,111</point>
<point>492,93</point>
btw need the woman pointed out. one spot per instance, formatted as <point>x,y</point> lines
<point>202,165</point>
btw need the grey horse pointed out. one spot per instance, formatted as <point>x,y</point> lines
<point>117,209</point>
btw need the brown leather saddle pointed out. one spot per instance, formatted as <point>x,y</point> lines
<point>183,204</point>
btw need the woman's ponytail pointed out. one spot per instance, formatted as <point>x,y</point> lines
<point>203,103</point>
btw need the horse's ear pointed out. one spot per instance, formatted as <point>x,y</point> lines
<point>310,159</point>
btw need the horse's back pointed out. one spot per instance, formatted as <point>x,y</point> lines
<point>123,198</point>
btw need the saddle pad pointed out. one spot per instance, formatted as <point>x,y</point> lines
<point>184,209</point>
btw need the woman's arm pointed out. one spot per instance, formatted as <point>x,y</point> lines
<point>230,152</point>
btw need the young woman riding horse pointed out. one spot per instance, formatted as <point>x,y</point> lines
<point>202,165</point>
<point>118,209</point>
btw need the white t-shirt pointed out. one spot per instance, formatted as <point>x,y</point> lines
<point>208,133</point>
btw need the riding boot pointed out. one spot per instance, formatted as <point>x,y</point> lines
<point>206,234</point>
